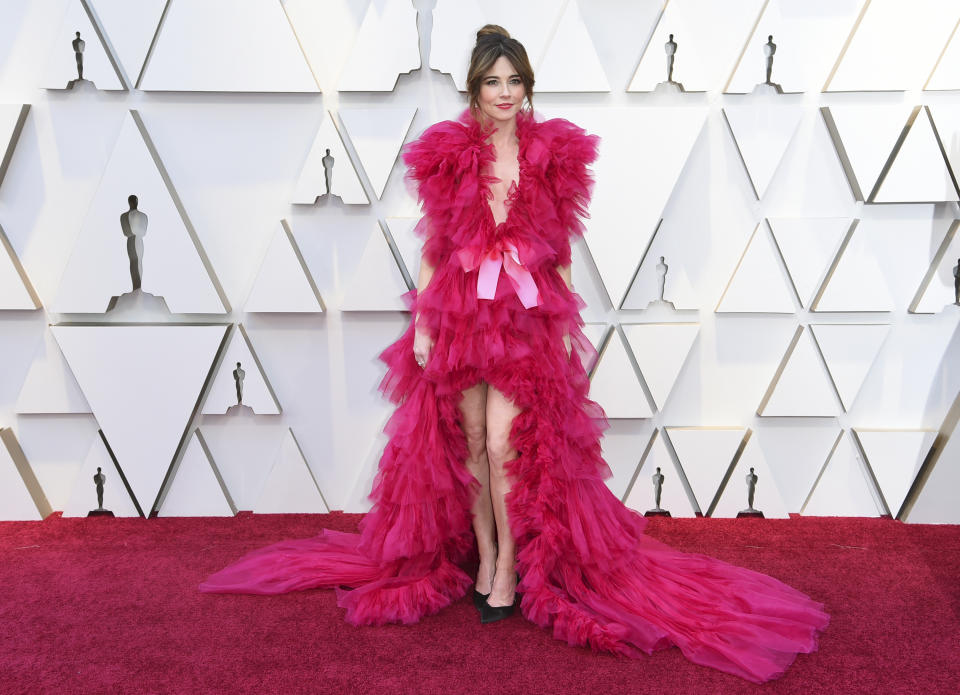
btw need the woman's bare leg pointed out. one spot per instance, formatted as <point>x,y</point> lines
<point>473,411</point>
<point>500,414</point>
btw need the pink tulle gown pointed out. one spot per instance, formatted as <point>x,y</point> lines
<point>498,310</point>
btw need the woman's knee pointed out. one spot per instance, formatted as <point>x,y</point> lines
<point>476,434</point>
<point>501,412</point>
<point>499,450</point>
<point>473,421</point>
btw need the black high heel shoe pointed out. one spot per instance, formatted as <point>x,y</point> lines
<point>479,599</point>
<point>491,614</point>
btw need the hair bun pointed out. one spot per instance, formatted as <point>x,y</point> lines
<point>492,30</point>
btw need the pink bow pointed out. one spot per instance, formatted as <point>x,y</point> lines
<point>503,254</point>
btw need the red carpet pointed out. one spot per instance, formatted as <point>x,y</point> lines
<point>110,606</point>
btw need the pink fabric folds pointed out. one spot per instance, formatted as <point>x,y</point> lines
<point>503,254</point>
<point>588,572</point>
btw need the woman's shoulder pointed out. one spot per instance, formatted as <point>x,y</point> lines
<point>444,141</point>
<point>451,128</point>
<point>559,141</point>
<point>444,134</point>
<point>553,128</point>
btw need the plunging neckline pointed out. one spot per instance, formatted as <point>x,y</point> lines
<point>513,190</point>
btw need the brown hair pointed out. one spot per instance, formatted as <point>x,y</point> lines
<point>494,41</point>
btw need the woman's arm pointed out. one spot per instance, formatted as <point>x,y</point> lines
<point>564,271</point>
<point>422,342</point>
<point>426,274</point>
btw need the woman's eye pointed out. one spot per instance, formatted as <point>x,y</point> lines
<point>515,81</point>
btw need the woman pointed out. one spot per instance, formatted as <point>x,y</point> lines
<point>490,374</point>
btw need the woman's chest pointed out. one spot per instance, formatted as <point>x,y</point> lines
<point>503,174</point>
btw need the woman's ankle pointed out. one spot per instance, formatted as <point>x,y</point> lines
<point>488,554</point>
<point>506,564</point>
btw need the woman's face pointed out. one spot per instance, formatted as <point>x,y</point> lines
<point>501,91</point>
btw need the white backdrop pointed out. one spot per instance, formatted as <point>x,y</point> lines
<point>810,239</point>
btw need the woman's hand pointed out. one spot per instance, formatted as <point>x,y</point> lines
<point>422,345</point>
<point>422,342</point>
<point>565,273</point>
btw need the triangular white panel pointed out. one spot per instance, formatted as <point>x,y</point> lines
<point>57,446</point>
<point>673,494</point>
<point>216,46</point>
<point>936,502</point>
<point>885,53</point>
<point>130,28</point>
<point>143,383</point>
<point>808,43</point>
<point>849,351</point>
<point>672,134</point>
<point>653,144</point>
<point>614,383</point>
<point>284,282</point>
<point>939,289</point>
<point>376,284</point>
<point>344,181</point>
<point>946,75</point>
<point>808,247</point>
<point>564,70</point>
<point>623,446</point>
<point>388,32</point>
<point>757,284</point>
<point>50,386</point>
<point>62,61</point>
<point>710,37</point>
<point>867,134</point>
<point>377,136</point>
<point>195,490</point>
<point>843,488</point>
<point>946,120</point>
<point>895,457</point>
<point>677,289</point>
<point>595,333</point>
<point>766,498</point>
<point>919,173</point>
<point>661,350</point>
<point>326,32</point>
<point>455,24</point>
<point>857,283</point>
<point>290,487</point>
<point>244,448</point>
<point>21,497</point>
<point>705,454</point>
<point>83,498</point>
<point>587,282</point>
<point>802,388</point>
<point>811,179</point>
<point>173,262</point>
<point>796,451</point>
<point>256,390</point>
<point>12,118</point>
<point>408,243</point>
<point>16,291</point>
<point>763,132</point>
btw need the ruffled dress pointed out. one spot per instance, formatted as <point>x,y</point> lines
<point>588,573</point>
